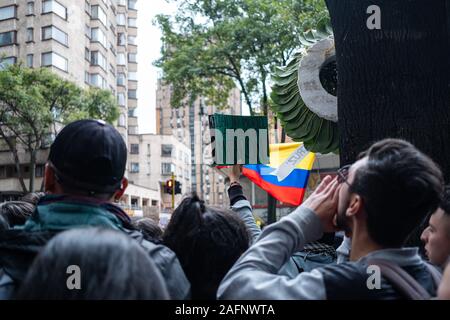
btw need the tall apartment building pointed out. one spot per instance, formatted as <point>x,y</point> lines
<point>89,42</point>
<point>189,124</point>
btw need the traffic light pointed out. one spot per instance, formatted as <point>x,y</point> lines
<point>168,186</point>
<point>177,187</point>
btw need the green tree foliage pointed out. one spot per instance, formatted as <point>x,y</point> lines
<point>34,103</point>
<point>212,46</point>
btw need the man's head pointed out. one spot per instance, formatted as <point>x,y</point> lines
<point>88,158</point>
<point>388,192</point>
<point>437,235</point>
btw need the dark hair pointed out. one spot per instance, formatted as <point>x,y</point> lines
<point>400,186</point>
<point>445,202</point>
<point>207,241</point>
<point>16,212</point>
<point>149,228</point>
<point>112,266</point>
<point>33,197</point>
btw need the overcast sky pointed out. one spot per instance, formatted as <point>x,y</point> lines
<point>149,44</point>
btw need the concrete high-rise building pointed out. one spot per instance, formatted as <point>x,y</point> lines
<point>189,124</point>
<point>89,42</point>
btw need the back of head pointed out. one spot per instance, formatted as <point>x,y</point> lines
<point>207,241</point>
<point>89,157</point>
<point>16,212</point>
<point>149,228</point>
<point>110,265</point>
<point>400,186</point>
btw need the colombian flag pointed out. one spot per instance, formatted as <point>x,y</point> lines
<point>291,188</point>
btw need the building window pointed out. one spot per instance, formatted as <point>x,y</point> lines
<point>121,79</point>
<point>132,4</point>
<point>30,58</point>
<point>98,13</point>
<point>55,60</point>
<point>39,171</point>
<point>5,62</point>
<point>166,150</point>
<point>132,40</point>
<point>8,13</point>
<point>30,34</point>
<point>30,8</point>
<point>121,99</point>
<point>7,38</point>
<point>132,94</point>
<point>134,168</point>
<point>121,60</point>
<point>167,168</point>
<point>132,76</point>
<point>121,20</point>
<point>98,59</point>
<point>132,57</point>
<point>134,149</point>
<point>132,113</point>
<point>97,81</point>
<point>122,2</point>
<point>87,54</point>
<point>97,35</point>
<point>132,22</point>
<point>55,7</point>
<point>52,32</point>
<point>121,39</point>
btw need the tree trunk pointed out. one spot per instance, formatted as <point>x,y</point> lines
<point>33,153</point>
<point>15,154</point>
<point>393,81</point>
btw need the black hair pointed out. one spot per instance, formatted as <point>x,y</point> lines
<point>112,266</point>
<point>400,186</point>
<point>207,241</point>
<point>16,212</point>
<point>149,229</point>
<point>445,202</point>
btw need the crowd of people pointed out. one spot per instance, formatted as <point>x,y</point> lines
<point>74,242</point>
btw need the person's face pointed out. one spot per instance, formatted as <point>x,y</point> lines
<point>343,222</point>
<point>437,238</point>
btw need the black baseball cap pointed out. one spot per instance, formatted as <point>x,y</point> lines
<point>89,155</point>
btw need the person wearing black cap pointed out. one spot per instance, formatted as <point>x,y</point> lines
<point>84,175</point>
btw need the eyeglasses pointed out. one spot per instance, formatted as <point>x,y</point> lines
<point>342,174</point>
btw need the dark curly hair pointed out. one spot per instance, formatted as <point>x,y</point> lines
<point>207,241</point>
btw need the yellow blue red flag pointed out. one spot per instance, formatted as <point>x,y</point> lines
<point>286,176</point>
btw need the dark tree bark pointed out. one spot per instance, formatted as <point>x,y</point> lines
<point>393,82</point>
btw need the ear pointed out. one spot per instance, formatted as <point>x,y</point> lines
<point>49,179</point>
<point>119,193</point>
<point>355,206</point>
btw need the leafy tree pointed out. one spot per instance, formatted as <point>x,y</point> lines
<point>34,103</point>
<point>211,46</point>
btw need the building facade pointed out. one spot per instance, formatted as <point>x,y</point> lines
<point>189,124</point>
<point>158,157</point>
<point>89,42</point>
